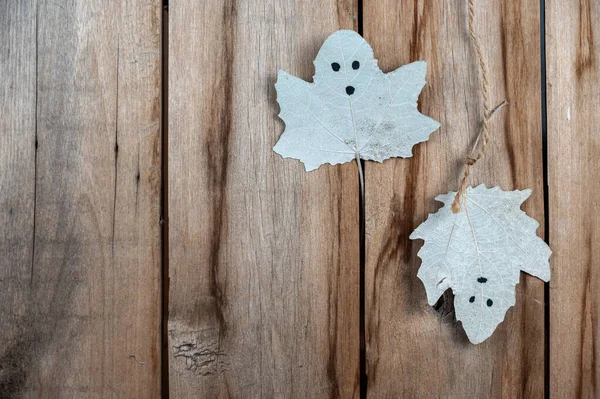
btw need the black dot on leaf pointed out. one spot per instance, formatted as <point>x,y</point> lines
<point>481,280</point>
<point>489,302</point>
<point>335,66</point>
<point>472,299</point>
<point>355,65</point>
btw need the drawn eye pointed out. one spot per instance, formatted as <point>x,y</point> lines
<point>489,302</point>
<point>335,66</point>
<point>355,65</point>
<point>472,299</point>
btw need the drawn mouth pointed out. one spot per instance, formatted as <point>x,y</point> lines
<point>349,90</point>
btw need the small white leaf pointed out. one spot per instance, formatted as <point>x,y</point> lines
<point>352,108</point>
<point>479,253</point>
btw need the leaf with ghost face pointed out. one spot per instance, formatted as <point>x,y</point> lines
<point>479,253</point>
<point>352,110</point>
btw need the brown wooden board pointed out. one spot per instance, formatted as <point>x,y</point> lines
<point>414,350</point>
<point>17,186</point>
<point>263,257</point>
<point>573,40</point>
<point>80,208</point>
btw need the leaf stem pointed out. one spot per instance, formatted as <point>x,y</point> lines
<point>361,178</point>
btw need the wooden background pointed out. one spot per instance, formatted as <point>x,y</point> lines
<point>152,244</point>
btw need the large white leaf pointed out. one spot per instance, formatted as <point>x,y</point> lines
<point>479,253</point>
<point>352,110</point>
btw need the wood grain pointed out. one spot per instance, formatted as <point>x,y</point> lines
<point>17,187</point>
<point>264,257</point>
<point>80,208</point>
<point>414,350</point>
<point>573,40</point>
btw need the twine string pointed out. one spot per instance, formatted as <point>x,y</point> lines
<point>484,136</point>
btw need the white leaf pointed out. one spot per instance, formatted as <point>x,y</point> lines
<point>479,253</point>
<point>351,108</point>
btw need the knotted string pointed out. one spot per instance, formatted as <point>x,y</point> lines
<point>484,136</point>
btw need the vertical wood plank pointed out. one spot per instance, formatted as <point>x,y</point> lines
<point>573,40</point>
<point>414,350</point>
<point>82,276</point>
<point>17,186</point>
<point>264,258</point>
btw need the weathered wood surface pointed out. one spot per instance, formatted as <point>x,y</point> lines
<point>573,46</point>
<point>412,349</point>
<point>17,186</point>
<point>80,203</point>
<point>263,257</point>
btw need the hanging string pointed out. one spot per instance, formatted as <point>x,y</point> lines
<point>482,139</point>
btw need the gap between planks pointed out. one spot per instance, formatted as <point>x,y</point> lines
<point>164,349</point>
<point>544,109</point>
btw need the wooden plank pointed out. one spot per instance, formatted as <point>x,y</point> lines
<point>264,257</point>
<point>573,40</point>
<point>17,185</point>
<point>412,349</point>
<point>83,271</point>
